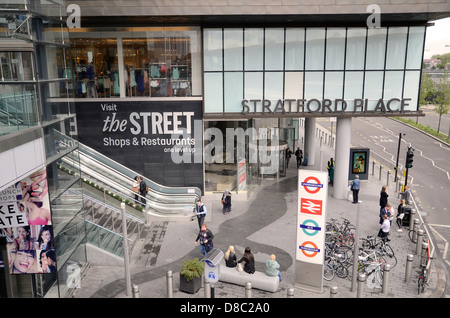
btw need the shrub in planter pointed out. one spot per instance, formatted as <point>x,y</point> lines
<point>191,275</point>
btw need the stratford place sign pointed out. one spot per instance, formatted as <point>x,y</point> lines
<point>324,106</point>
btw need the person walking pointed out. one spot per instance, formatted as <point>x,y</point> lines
<point>205,237</point>
<point>355,186</point>
<point>200,211</point>
<point>249,261</point>
<point>299,155</point>
<point>226,201</point>
<point>288,156</point>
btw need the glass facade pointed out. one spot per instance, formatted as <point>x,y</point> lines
<point>136,62</point>
<point>311,63</point>
<point>36,89</point>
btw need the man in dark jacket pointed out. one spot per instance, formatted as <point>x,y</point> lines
<point>143,191</point>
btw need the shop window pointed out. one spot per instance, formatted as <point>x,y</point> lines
<point>96,70</point>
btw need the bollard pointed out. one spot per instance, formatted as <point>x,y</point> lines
<point>361,281</point>
<point>207,288</point>
<point>248,290</point>
<point>135,291</point>
<point>387,181</point>
<point>419,241</point>
<point>290,293</point>
<point>386,271</point>
<point>381,168</point>
<point>415,229</point>
<point>409,263</point>
<point>373,168</point>
<point>333,292</point>
<point>411,218</point>
<point>169,284</point>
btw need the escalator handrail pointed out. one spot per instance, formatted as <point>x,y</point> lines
<point>129,173</point>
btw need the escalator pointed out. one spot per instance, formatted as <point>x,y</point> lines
<point>112,180</point>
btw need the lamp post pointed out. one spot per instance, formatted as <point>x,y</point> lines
<point>126,254</point>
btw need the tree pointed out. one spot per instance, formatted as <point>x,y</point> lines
<point>442,99</point>
<point>427,90</point>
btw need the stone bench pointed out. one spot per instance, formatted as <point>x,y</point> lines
<point>258,280</point>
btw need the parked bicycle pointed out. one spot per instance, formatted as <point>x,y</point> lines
<point>424,274</point>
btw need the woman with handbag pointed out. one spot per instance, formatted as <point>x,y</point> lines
<point>249,261</point>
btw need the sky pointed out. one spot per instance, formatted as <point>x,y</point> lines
<point>438,36</point>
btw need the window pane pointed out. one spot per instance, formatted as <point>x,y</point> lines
<point>16,66</point>
<point>334,82</point>
<point>393,84</point>
<point>313,85</point>
<point>294,56</point>
<point>376,44</point>
<point>415,41</point>
<point>315,46</point>
<point>233,49</point>
<point>356,44</point>
<point>396,50</point>
<point>293,85</point>
<point>213,93</point>
<point>273,85</point>
<point>353,85</point>
<point>212,41</point>
<point>335,49</point>
<point>253,85</point>
<point>274,49</point>
<point>411,89</point>
<point>253,39</point>
<point>373,88</point>
<point>18,108</point>
<point>233,91</point>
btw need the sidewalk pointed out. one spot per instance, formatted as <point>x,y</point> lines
<point>267,224</point>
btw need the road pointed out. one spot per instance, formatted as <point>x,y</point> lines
<point>430,174</point>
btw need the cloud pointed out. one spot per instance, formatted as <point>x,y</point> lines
<point>438,36</point>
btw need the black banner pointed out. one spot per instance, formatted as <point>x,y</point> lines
<point>161,140</point>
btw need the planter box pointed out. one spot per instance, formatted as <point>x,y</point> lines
<point>191,286</point>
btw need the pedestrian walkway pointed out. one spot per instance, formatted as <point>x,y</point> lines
<point>267,224</point>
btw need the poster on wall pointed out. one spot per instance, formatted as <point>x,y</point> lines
<point>25,221</point>
<point>161,140</point>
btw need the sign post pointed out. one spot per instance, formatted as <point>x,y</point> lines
<point>311,218</point>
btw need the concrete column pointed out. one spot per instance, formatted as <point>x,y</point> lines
<point>343,135</point>
<point>310,140</point>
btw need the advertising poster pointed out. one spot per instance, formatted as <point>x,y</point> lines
<point>25,221</point>
<point>359,163</point>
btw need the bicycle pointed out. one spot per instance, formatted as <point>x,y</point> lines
<point>334,267</point>
<point>374,275</point>
<point>381,247</point>
<point>412,234</point>
<point>425,269</point>
<point>366,260</point>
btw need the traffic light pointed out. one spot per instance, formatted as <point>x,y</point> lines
<point>409,157</point>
